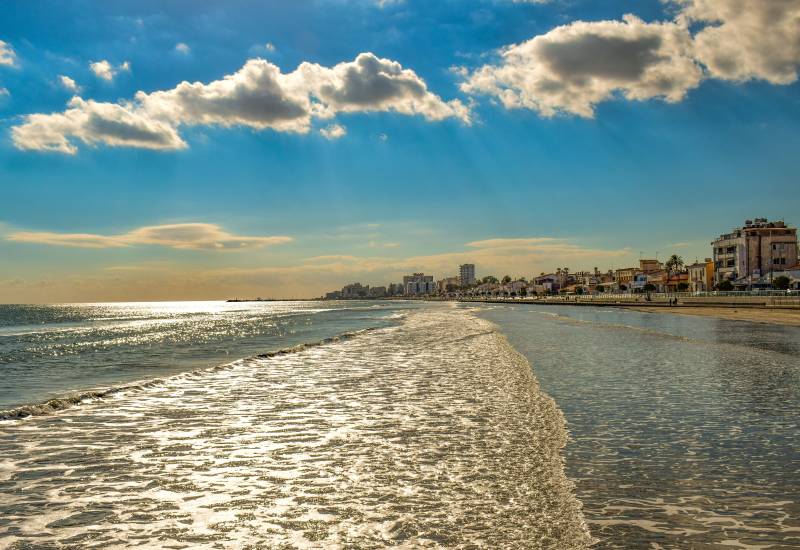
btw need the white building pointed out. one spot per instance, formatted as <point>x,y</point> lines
<point>420,287</point>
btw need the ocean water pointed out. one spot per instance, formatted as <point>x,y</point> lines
<point>401,424</point>
<point>428,432</point>
<point>684,431</point>
<point>56,351</point>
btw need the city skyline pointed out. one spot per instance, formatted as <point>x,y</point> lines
<point>198,151</point>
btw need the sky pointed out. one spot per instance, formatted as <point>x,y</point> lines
<point>207,150</point>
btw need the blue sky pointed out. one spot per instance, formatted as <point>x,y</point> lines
<point>360,140</point>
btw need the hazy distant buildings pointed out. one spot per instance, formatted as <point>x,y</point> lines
<point>355,290</point>
<point>466,274</point>
<point>448,284</point>
<point>420,287</point>
<point>418,284</point>
<point>417,278</point>
<point>335,295</point>
<point>396,289</point>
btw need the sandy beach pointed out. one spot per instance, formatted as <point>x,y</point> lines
<point>789,317</point>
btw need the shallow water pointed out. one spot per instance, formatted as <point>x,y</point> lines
<point>684,431</point>
<point>429,434</point>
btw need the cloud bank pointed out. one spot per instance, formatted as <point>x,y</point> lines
<point>258,96</point>
<point>185,236</point>
<point>573,67</point>
<point>92,123</point>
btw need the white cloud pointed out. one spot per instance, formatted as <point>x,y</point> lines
<point>92,122</point>
<point>269,47</point>
<point>183,48</point>
<point>510,243</point>
<point>333,131</point>
<point>371,84</point>
<point>743,40</point>
<point>3,92</point>
<point>69,84</point>
<point>574,67</point>
<point>186,236</point>
<point>104,69</point>
<point>258,96</point>
<point>7,54</point>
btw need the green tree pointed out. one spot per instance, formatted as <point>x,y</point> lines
<point>725,286</point>
<point>623,287</point>
<point>683,287</point>
<point>649,287</point>
<point>523,292</point>
<point>781,282</point>
<point>506,279</point>
<point>579,290</point>
<point>600,288</point>
<point>489,279</point>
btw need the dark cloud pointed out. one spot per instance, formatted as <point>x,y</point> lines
<point>602,56</point>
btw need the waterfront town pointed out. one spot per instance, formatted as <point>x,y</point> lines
<point>760,255</point>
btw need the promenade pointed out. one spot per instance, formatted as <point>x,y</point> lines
<point>736,300</point>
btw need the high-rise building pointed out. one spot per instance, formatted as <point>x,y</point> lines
<point>466,273</point>
<point>754,250</point>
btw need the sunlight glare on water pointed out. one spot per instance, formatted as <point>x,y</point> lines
<point>430,434</point>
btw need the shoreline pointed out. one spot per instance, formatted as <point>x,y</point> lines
<point>776,316</point>
<point>756,313</point>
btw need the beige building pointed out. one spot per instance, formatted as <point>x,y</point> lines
<point>448,284</point>
<point>701,276</point>
<point>649,265</point>
<point>757,248</point>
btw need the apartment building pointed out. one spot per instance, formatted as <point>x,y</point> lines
<point>751,251</point>
<point>466,274</point>
<point>355,290</point>
<point>417,278</point>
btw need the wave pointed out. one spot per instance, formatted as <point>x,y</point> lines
<point>62,403</point>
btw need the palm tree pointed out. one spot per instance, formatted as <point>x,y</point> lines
<point>675,263</point>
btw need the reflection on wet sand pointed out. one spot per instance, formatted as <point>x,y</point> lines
<point>675,441</point>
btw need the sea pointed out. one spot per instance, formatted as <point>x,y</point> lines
<point>395,424</point>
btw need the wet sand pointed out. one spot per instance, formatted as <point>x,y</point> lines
<point>787,317</point>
